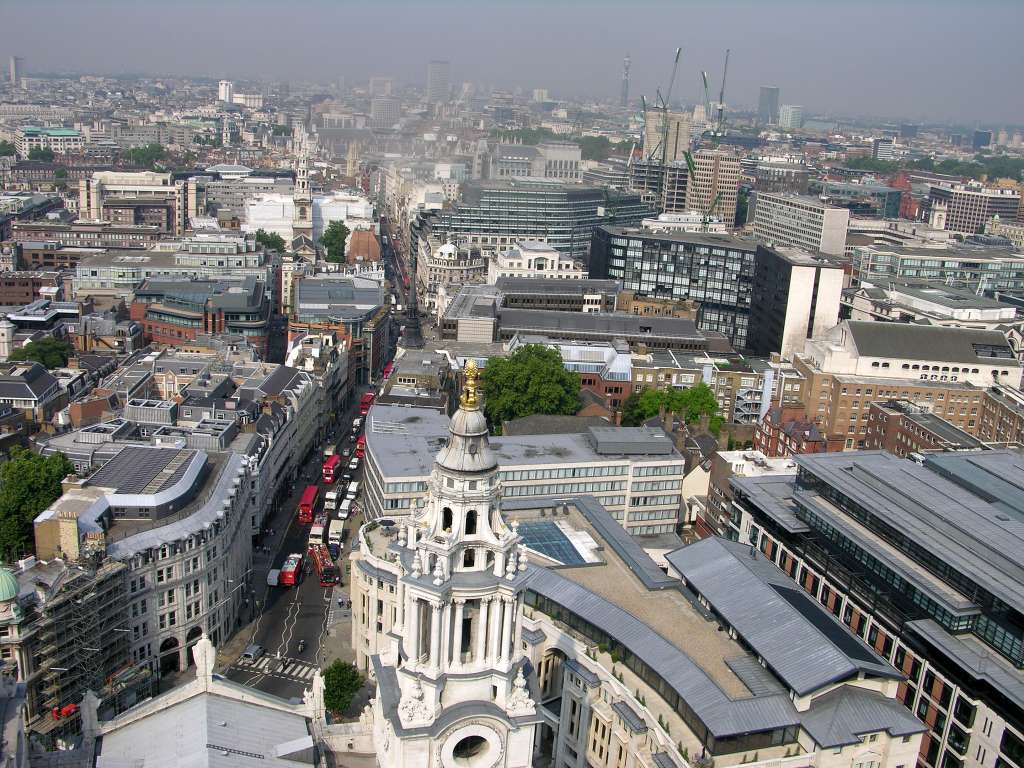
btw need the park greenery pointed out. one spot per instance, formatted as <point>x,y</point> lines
<point>270,240</point>
<point>531,380</point>
<point>41,153</point>
<point>342,682</point>
<point>333,240</point>
<point>29,483</point>
<point>48,351</point>
<point>689,404</point>
<point>984,167</point>
<point>6,148</point>
<point>146,156</point>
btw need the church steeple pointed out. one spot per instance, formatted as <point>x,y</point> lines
<point>302,197</point>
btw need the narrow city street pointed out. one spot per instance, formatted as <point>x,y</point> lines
<point>307,613</point>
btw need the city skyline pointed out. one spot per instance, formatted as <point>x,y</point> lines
<point>771,45</point>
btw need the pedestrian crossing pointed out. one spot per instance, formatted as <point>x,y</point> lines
<point>295,669</point>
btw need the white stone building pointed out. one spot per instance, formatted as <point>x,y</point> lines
<point>531,258</point>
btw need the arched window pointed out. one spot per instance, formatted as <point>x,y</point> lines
<point>469,558</point>
<point>471,522</point>
<point>446,519</point>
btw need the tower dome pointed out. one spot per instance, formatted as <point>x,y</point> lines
<point>468,449</point>
<point>8,586</point>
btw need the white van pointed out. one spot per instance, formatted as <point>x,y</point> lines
<point>344,509</point>
<point>353,490</point>
<point>331,500</point>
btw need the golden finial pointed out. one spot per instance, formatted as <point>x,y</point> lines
<point>469,400</point>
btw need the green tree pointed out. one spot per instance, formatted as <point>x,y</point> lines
<point>342,682</point>
<point>29,484</point>
<point>531,380</point>
<point>6,148</point>
<point>48,351</point>
<point>595,147</point>
<point>146,156</point>
<point>41,153</point>
<point>631,415</point>
<point>690,404</point>
<point>333,240</point>
<point>60,173</point>
<point>873,165</point>
<point>282,130</point>
<point>270,240</point>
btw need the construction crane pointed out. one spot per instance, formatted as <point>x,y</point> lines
<point>721,98</point>
<point>707,98</point>
<point>661,150</point>
<point>705,220</point>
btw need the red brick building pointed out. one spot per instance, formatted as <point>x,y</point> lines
<point>176,311</point>
<point>785,430</point>
<point>900,427</point>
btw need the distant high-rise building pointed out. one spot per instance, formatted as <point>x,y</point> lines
<point>624,95</point>
<point>16,66</point>
<point>225,91</point>
<point>438,73</point>
<point>791,117</point>
<point>768,105</point>
<point>385,111</point>
<point>982,139</point>
<point>381,86</point>
<point>883,148</point>
<point>956,139</point>
<point>540,95</point>
<point>677,138</point>
<point>908,130</point>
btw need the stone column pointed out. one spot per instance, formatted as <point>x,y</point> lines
<point>399,609</point>
<point>414,630</point>
<point>494,622</point>
<point>435,635</point>
<point>457,634</point>
<point>506,630</point>
<point>446,621</point>
<point>481,630</point>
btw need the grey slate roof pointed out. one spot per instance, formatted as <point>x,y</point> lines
<point>630,717</point>
<point>610,323</point>
<point>967,508</point>
<point>928,342</point>
<point>843,715</point>
<point>723,716</point>
<point>798,639</point>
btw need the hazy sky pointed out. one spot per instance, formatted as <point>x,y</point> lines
<point>920,59</point>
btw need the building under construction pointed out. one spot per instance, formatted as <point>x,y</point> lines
<point>66,629</point>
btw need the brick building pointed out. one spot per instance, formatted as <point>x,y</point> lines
<point>900,427</point>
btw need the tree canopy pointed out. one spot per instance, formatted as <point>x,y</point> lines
<point>6,148</point>
<point>531,380</point>
<point>270,240</point>
<point>48,351</point>
<point>689,404</point>
<point>333,240</point>
<point>29,484</point>
<point>41,153</point>
<point>146,156</point>
<point>983,166</point>
<point>342,682</point>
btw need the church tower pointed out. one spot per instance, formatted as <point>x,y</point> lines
<point>302,219</point>
<point>458,676</point>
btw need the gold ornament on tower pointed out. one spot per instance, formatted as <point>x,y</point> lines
<point>469,399</point>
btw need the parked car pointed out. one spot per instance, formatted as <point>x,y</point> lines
<point>252,653</point>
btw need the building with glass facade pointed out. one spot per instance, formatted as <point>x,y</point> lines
<point>923,560</point>
<point>495,215</point>
<point>715,270</point>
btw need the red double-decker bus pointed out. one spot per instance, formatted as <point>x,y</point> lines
<point>331,468</point>
<point>387,370</point>
<point>365,402</point>
<point>291,571</point>
<point>325,568</point>
<point>361,447</point>
<point>307,504</point>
